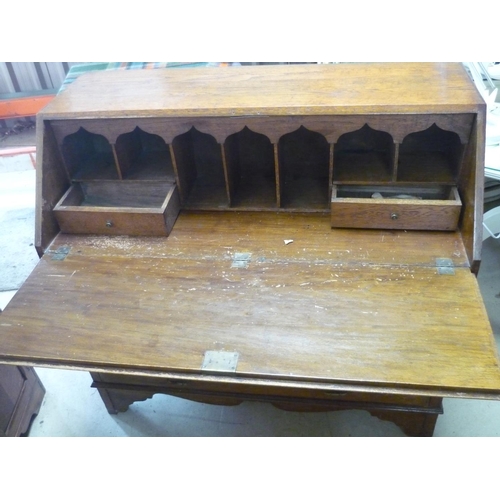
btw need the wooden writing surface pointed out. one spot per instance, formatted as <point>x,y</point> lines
<point>345,311</point>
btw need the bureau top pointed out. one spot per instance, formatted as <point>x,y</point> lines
<point>281,90</point>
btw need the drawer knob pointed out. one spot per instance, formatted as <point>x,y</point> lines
<point>109,223</point>
<point>394,216</point>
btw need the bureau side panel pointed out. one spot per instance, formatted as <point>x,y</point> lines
<point>471,187</point>
<point>51,184</point>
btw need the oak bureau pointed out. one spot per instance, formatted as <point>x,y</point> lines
<point>306,235</point>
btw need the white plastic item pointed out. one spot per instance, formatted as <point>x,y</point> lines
<point>492,162</point>
<point>493,127</point>
<point>494,71</point>
<point>488,91</point>
<point>481,77</point>
<point>491,224</point>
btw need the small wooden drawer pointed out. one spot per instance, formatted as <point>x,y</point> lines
<point>119,208</point>
<point>395,207</point>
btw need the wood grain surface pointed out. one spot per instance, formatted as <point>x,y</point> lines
<point>275,90</point>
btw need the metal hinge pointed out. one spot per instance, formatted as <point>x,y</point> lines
<point>445,266</point>
<point>60,253</point>
<point>220,361</point>
<point>241,260</point>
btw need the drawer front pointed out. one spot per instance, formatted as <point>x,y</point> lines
<point>386,213</point>
<point>112,223</point>
<point>108,220</point>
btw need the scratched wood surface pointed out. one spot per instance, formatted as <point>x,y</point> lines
<point>218,235</point>
<point>331,305</point>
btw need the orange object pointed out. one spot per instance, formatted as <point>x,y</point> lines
<point>23,106</point>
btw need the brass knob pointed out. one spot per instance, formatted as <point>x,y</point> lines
<point>109,223</point>
<point>394,216</point>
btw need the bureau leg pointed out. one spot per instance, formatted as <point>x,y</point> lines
<point>118,400</point>
<point>414,423</point>
<point>118,392</point>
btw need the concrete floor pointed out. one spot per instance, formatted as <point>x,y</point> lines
<point>72,408</point>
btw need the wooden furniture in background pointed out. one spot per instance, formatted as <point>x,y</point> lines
<point>21,395</point>
<point>272,273</point>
